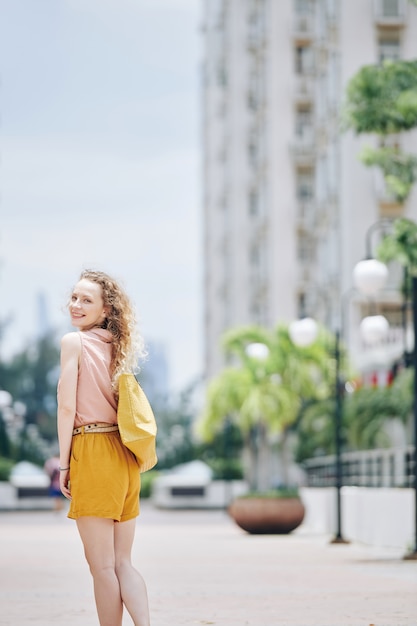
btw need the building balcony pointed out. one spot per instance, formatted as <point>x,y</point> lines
<point>304,147</point>
<point>304,89</point>
<point>255,100</point>
<point>306,214</point>
<point>382,353</point>
<point>303,274</point>
<point>305,59</point>
<point>390,208</point>
<point>390,13</point>
<point>303,28</point>
<point>256,41</point>
<point>323,217</point>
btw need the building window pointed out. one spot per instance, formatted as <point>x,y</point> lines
<point>221,73</point>
<point>305,185</point>
<point>304,248</point>
<point>223,202</point>
<point>304,59</point>
<point>389,48</point>
<point>390,8</point>
<point>254,256</point>
<point>253,151</point>
<point>303,7</point>
<point>253,201</point>
<point>301,305</point>
<point>391,12</point>
<point>303,122</point>
<point>332,7</point>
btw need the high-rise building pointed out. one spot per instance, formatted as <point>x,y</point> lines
<point>287,202</point>
<point>155,373</point>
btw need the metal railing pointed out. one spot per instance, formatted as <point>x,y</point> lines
<point>387,467</point>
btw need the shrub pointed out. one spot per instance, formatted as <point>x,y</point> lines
<point>226,469</point>
<point>5,468</point>
<point>147,479</point>
<point>280,492</point>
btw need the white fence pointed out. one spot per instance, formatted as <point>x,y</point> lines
<point>387,467</point>
<point>380,517</point>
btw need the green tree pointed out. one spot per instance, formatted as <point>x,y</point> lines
<point>399,169</point>
<point>382,100</point>
<point>31,378</point>
<point>365,413</point>
<point>368,409</point>
<point>264,397</point>
<point>5,444</point>
<point>400,245</point>
<point>35,383</point>
<point>175,440</point>
<point>316,430</point>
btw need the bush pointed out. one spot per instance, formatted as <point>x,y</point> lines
<point>226,469</point>
<point>147,479</point>
<point>280,492</point>
<point>5,468</point>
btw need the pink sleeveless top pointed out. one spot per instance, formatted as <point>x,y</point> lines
<point>95,397</point>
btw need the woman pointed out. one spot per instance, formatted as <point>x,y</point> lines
<point>51,467</point>
<point>97,472</point>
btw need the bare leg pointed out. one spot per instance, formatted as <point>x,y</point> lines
<point>132,585</point>
<point>97,535</point>
<point>58,503</point>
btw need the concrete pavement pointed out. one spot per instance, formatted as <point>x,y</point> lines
<point>201,569</point>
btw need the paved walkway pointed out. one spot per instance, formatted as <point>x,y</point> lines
<point>201,569</point>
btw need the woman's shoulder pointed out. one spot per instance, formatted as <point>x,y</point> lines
<point>71,341</point>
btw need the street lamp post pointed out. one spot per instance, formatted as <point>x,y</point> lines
<point>413,555</point>
<point>259,352</point>
<point>303,332</point>
<point>338,442</point>
<point>373,281</point>
<point>369,277</point>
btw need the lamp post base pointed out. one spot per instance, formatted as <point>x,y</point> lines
<point>339,540</point>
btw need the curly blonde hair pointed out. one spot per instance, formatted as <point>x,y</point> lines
<point>128,346</point>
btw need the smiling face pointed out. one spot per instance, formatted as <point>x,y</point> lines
<point>86,305</point>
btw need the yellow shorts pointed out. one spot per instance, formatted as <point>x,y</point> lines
<point>104,478</point>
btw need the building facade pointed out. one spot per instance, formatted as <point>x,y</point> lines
<point>287,203</point>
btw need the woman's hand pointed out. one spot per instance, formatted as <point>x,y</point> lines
<point>67,400</point>
<point>64,483</point>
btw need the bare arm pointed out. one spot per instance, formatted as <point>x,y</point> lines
<point>67,397</point>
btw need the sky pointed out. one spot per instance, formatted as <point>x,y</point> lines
<point>100,164</point>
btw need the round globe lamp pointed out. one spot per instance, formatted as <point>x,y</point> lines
<point>303,332</point>
<point>258,351</point>
<point>370,276</point>
<point>374,328</point>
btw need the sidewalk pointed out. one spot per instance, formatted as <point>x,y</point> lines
<point>201,569</point>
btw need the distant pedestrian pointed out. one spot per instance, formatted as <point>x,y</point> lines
<point>51,467</point>
<point>97,472</point>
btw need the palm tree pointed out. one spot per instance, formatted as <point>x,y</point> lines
<point>369,409</point>
<point>264,397</point>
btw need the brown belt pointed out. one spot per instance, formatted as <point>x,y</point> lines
<point>95,428</point>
